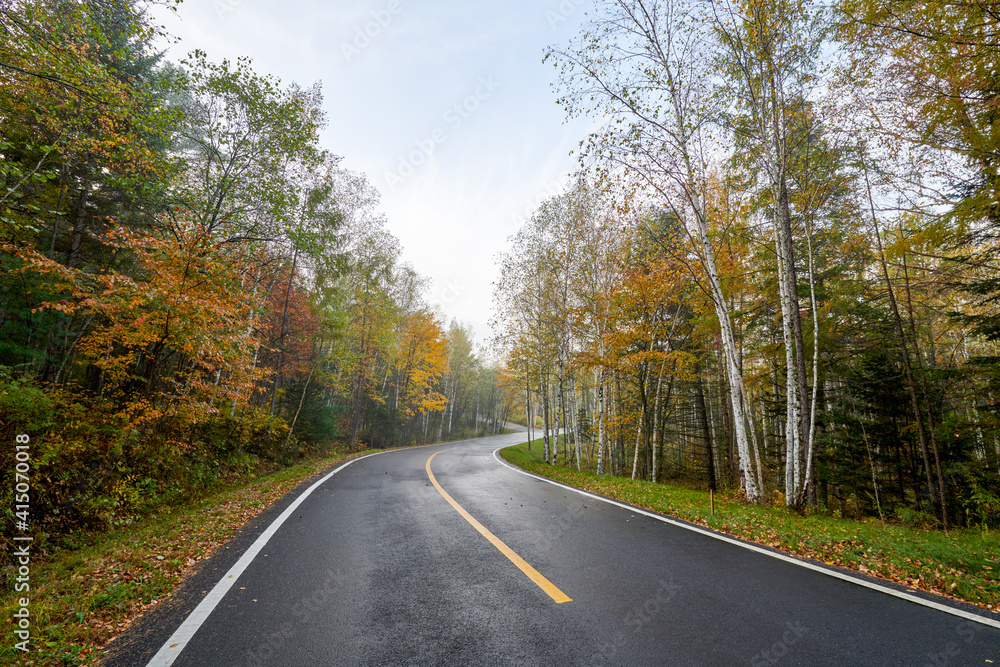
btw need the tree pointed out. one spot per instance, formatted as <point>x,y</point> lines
<point>245,141</point>
<point>645,64</point>
<point>421,364</point>
<point>768,53</point>
<point>85,145</point>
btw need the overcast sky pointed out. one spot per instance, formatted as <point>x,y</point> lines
<point>444,104</point>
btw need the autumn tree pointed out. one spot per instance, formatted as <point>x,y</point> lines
<point>421,363</point>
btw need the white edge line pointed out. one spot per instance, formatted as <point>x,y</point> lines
<point>172,648</point>
<point>767,552</point>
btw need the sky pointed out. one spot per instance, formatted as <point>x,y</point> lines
<point>445,105</point>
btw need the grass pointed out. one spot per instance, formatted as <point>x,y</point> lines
<point>86,594</point>
<point>963,564</point>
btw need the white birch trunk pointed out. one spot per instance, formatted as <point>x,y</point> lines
<point>600,420</point>
<point>733,373</point>
<point>441,421</point>
<point>451,404</point>
<point>656,419</point>
<point>544,390</point>
<point>576,425</point>
<point>638,439</point>
<point>792,473</point>
<point>527,403</point>
<point>815,369</point>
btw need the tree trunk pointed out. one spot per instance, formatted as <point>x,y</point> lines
<point>789,314</point>
<point>699,397</point>
<point>302,400</point>
<point>600,420</point>
<point>565,419</point>
<point>904,348</point>
<point>79,224</point>
<point>546,445</point>
<point>576,425</point>
<point>703,246</point>
<point>281,338</point>
<point>527,404</point>
<point>810,441</point>
<point>635,457</point>
<point>654,464</point>
<point>925,391</point>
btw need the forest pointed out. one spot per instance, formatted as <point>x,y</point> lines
<point>192,288</point>
<point>778,271</point>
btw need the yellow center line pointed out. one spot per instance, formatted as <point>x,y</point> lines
<point>531,572</point>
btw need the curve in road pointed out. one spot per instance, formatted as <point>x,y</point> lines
<point>371,566</point>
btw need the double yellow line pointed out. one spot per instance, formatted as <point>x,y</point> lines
<point>522,564</point>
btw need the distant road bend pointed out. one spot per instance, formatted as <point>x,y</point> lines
<point>444,555</point>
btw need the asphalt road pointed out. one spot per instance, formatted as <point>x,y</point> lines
<point>376,567</point>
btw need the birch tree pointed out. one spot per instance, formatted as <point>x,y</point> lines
<point>645,65</point>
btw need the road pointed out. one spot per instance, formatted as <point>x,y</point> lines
<point>377,567</point>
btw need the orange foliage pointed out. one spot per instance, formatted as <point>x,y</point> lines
<point>176,338</point>
<point>289,326</point>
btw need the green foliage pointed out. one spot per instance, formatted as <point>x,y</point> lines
<point>976,494</point>
<point>244,138</point>
<point>91,470</point>
<point>24,408</point>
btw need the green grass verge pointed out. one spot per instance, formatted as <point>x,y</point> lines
<point>84,595</point>
<point>964,564</point>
